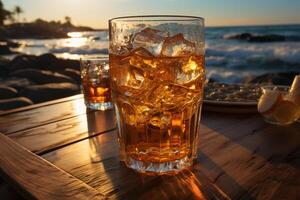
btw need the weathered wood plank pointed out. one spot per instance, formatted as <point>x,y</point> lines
<point>98,165</point>
<point>242,155</point>
<point>54,135</point>
<point>41,115</point>
<point>38,178</point>
<point>38,105</point>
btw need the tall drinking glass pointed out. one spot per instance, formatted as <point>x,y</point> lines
<point>157,78</point>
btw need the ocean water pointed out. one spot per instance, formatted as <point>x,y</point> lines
<point>227,60</point>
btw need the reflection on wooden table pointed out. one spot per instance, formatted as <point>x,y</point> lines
<point>241,157</point>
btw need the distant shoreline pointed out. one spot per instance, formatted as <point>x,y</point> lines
<point>41,29</point>
<point>225,26</point>
<point>36,30</point>
<point>253,25</point>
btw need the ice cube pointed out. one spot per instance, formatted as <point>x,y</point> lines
<point>177,46</point>
<point>142,58</point>
<point>166,74</point>
<point>161,120</point>
<point>191,65</point>
<point>143,113</point>
<point>128,113</point>
<point>92,72</point>
<point>150,39</point>
<point>191,70</point>
<point>130,77</point>
<point>131,80</point>
<point>140,51</point>
<point>134,78</point>
<point>168,96</point>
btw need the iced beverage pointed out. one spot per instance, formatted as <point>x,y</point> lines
<point>157,87</point>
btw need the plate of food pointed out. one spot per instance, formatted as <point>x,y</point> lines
<point>233,98</point>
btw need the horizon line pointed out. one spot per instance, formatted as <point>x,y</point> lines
<point>227,26</point>
<point>207,26</point>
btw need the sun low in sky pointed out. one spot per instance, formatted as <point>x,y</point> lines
<point>95,13</point>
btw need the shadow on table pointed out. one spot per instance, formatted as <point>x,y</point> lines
<point>264,157</point>
<point>276,144</point>
<point>98,121</point>
<point>124,183</point>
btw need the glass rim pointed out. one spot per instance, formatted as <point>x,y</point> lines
<point>138,18</point>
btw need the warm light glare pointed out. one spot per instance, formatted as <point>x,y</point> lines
<point>79,106</point>
<point>101,91</point>
<point>190,66</point>
<point>195,188</point>
<point>75,34</point>
<point>193,65</point>
<point>75,42</point>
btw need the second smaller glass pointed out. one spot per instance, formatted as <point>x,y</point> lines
<point>96,83</point>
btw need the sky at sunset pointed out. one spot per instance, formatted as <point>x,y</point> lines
<point>95,13</point>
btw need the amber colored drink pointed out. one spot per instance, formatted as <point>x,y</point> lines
<point>159,99</point>
<point>157,79</point>
<point>96,83</point>
<point>97,93</point>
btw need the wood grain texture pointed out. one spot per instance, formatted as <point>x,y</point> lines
<point>253,160</point>
<point>98,165</point>
<point>37,178</point>
<point>38,116</point>
<point>242,155</point>
<point>38,105</point>
<point>54,135</point>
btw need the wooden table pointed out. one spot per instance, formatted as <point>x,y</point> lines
<point>60,150</point>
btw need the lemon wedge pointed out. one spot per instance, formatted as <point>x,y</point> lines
<point>268,101</point>
<point>294,92</point>
<point>286,112</point>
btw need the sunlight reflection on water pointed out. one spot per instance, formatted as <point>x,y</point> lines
<point>75,34</point>
<point>75,42</point>
<point>78,45</point>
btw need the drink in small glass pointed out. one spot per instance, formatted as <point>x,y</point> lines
<point>96,83</point>
<point>157,77</point>
<point>280,106</point>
